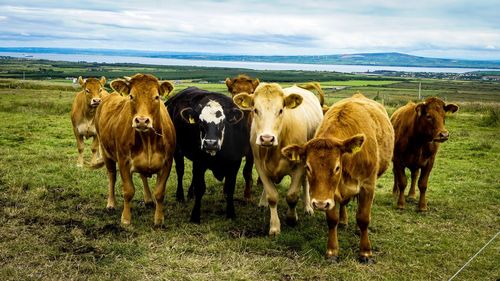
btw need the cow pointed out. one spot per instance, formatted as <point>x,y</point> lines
<point>135,131</point>
<point>350,150</point>
<point>245,84</point>
<point>212,132</point>
<point>83,112</point>
<point>419,129</point>
<point>280,117</point>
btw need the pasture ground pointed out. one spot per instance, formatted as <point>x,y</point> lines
<point>54,225</point>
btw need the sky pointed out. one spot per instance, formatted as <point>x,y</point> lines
<point>433,28</point>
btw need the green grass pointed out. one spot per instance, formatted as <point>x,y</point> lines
<point>53,222</point>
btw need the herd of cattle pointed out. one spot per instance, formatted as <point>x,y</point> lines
<point>334,153</point>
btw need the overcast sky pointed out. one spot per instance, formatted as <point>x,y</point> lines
<point>437,28</point>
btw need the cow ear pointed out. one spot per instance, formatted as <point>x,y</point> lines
<point>229,83</point>
<point>120,86</point>
<point>353,144</point>
<point>292,101</point>
<point>189,115</point>
<point>452,108</point>
<point>102,80</point>
<point>244,101</point>
<point>255,83</point>
<point>81,81</point>
<point>166,87</point>
<point>234,115</point>
<point>420,109</point>
<point>294,153</point>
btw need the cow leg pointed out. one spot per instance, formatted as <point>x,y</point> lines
<point>161,182</point>
<point>95,150</point>
<point>414,176</point>
<point>307,197</point>
<point>81,146</point>
<point>292,196</point>
<point>229,186</point>
<point>344,217</point>
<point>179,169</point>
<point>111,168</point>
<point>148,201</point>
<point>128,191</point>
<point>365,201</point>
<point>271,194</point>
<point>332,248</point>
<point>422,184</point>
<point>247,175</point>
<point>199,189</point>
<point>401,181</point>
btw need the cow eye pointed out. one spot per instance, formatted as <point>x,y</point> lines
<point>428,116</point>
<point>256,111</point>
<point>281,111</point>
<point>131,97</point>
<point>337,169</point>
<point>157,97</point>
<point>308,169</point>
<point>87,90</point>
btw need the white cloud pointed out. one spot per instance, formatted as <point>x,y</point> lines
<point>258,27</point>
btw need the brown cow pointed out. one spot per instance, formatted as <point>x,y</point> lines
<point>82,114</point>
<point>419,128</point>
<point>136,131</point>
<point>351,149</point>
<point>244,84</point>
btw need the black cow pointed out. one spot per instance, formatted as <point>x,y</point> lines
<point>213,133</point>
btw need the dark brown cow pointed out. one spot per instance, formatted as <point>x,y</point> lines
<point>136,131</point>
<point>419,128</point>
<point>351,149</point>
<point>83,112</point>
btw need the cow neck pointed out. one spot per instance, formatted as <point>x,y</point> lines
<point>88,111</point>
<point>415,136</point>
<point>148,138</point>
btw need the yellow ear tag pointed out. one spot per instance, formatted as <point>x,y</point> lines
<point>356,149</point>
<point>244,103</point>
<point>191,120</point>
<point>292,105</point>
<point>293,156</point>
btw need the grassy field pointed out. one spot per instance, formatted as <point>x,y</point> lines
<point>53,222</point>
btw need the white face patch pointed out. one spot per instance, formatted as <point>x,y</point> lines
<point>212,113</point>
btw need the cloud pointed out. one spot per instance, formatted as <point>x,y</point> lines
<point>258,27</point>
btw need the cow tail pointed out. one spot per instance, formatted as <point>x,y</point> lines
<point>317,87</point>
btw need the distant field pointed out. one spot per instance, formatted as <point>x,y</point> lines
<point>53,222</point>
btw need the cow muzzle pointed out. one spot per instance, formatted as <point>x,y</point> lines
<point>267,140</point>
<point>322,205</point>
<point>95,102</point>
<point>211,146</point>
<point>442,137</point>
<point>142,124</point>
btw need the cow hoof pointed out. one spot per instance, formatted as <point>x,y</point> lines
<point>309,210</point>
<point>366,260</point>
<point>273,232</point>
<point>342,225</point>
<point>110,208</point>
<point>231,216</point>
<point>411,199</point>
<point>180,198</point>
<point>195,220</point>
<point>149,204</point>
<point>332,259</point>
<point>422,210</point>
<point>159,222</point>
<point>291,221</point>
<point>125,222</point>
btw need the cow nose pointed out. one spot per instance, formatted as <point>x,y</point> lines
<point>210,143</point>
<point>142,121</point>
<point>322,204</point>
<point>96,101</point>
<point>267,139</point>
<point>444,135</point>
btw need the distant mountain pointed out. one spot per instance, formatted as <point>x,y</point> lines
<point>385,59</point>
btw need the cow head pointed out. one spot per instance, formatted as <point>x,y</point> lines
<point>431,118</point>
<point>211,118</point>
<point>323,161</point>
<point>269,104</point>
<point>145,92</point>
<point>93,89</point>
<point>241,84</point>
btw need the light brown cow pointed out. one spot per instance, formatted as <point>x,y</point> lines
<point>280,117</point>
<point>83,112</point>
<point>419,129</point>
<point>135,131</point>
<point>351,149</point>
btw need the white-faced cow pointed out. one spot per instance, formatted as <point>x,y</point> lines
<point>280,117</point>
<point>351,149</point>
<point>419,129</point>
<point>212,132</point>
<point>83,112</point>
<point>135,131</point>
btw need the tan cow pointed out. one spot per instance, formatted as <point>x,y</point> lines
<point>241,84</point>
<point>135,131</point>
<point>419,130</point>
<point>280,117</point>
<point>83,112</point>
<point>351,149</point>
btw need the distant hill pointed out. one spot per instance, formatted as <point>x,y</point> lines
<point>385,59</point>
